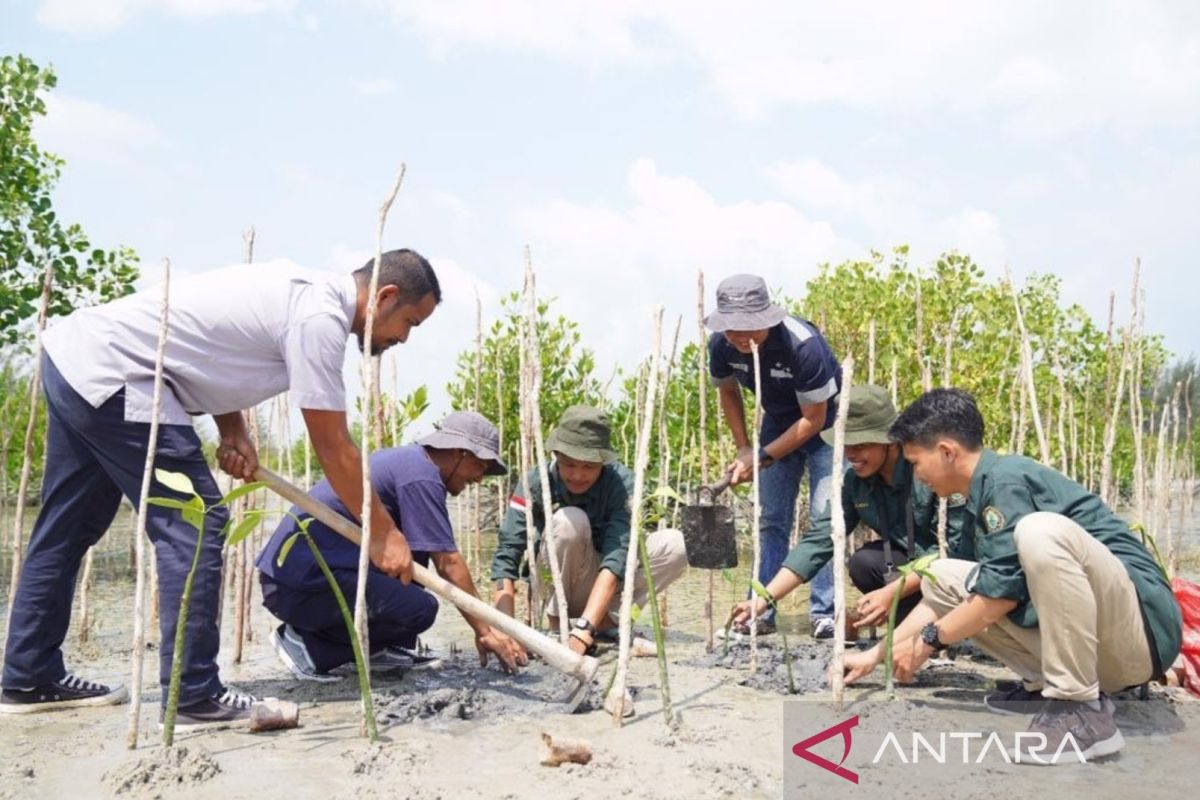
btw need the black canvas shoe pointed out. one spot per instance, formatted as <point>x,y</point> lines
<point>69,692</point>
<point>1015,701</point>
<point>226,708</point>
<point>418,660</point>
<point>1092,733</point>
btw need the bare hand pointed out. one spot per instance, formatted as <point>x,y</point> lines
<point>508,651</point>
<point>857,665</point>
<point>741,469</point>
<point>741,611</point>
<point>505,600</point>
<point>392,556</point>
<point>237,457</point>
<point>874,607</point>
<point>908,657</point>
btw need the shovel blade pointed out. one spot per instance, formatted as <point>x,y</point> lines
<point>708,535</point>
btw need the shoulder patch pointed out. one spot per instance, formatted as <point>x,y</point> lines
<point>993,519</point>
<point>957,499</point>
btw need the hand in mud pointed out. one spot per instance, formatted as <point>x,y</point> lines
<point>741,469</point>
<point>508,652</point>
<point>857,665</point>
<point>740,613</point>
<point>392,555</point>
<point>237,457</point>
<point>874,607</point>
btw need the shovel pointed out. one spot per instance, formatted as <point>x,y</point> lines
<point>708,532</point>
<point>582,668</point>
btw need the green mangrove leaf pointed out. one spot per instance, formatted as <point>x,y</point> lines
<point>175,480</point>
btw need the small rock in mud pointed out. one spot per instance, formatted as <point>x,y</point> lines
<point>163,772</point>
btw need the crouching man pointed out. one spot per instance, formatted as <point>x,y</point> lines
<point>590,518</point>
<point>412,482</point>
<point>1062,593</point>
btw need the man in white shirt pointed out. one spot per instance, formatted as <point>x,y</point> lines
<point>237,336</point>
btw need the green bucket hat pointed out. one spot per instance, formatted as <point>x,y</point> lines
<point>870,415</point>
<point>583,433</point>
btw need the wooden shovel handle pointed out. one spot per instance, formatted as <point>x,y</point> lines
<point>556,655</point>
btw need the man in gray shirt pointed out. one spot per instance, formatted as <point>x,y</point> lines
<point>237,336</point>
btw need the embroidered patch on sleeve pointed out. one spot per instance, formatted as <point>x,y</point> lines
<point>993,519</point>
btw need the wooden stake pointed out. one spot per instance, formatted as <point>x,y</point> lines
<point>35,385</point>
<point>756,530</point>
<point>138,654</point>
<point>1027,367</point>
<point>838,532</point>
<point>645,431</point>
<point>702,380</point>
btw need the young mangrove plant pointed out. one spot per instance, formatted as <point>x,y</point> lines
<point>761,591</point>
<point>920,567</point>
<point>194,512</point>
<point>364,685</point>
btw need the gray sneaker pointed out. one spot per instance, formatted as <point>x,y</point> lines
<point>416,660</point>
<point>1094,733</point>
<point>225,709</point>
<point>291,650</point>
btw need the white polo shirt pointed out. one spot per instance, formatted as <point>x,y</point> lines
<point>237,336</point>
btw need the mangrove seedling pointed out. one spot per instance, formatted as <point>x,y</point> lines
<point>920,567</point>
<point>364,684</point>
<point>194,512</point>
<point>762,592</point>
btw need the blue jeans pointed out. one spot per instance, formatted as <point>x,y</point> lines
<point>778,487</point>
<point>93,456</point>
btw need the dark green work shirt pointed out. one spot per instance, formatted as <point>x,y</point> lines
<point>606,505</point>
<point>883,509</point>
<point>1006,488</point>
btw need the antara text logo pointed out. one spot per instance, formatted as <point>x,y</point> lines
<point>944,747</point>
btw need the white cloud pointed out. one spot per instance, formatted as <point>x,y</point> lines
<point>375,86</point>
<point>95,17</point>
<point>79,129</point>
<point>609,265</point>
<point>1052,67</point>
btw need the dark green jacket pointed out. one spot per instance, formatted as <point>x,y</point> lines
<point>866,500</point>
<point>606,505</point>
<point>1006,488</point>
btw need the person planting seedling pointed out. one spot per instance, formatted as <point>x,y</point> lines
<point>413,483</point>
<point>1063,593</point>
<point>800,385</point>
<point>237,336</point>
<point>590,521</point>
<point>879,491</point>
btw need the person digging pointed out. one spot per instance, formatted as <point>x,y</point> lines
<point>413,483</point>
<point>879,491</point>
<point>237,336</point>
<point>800,384</point>
<point>1063,593</point>
<point>590,518</point>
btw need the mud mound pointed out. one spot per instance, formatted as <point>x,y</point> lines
<point>163,772</point>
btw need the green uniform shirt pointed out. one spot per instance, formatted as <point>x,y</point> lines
<point>1006,488</point>
<point>606,505</point>
<point>865,500</point>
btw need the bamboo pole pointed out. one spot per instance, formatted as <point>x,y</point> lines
<point>525,448</point>
<point>138,654</point>
<point>501,498</point>
<point>369,385</point>
<point>756,467</point>
<point>645,432</point>
<point>539,446</point>
<point>702,381</point>
<point>838,520</point>
<point>1027,368</point>
<point>477,510</point>
<point>35,384</point>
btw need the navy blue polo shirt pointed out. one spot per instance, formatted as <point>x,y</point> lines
<point>798,369</point>
<point>410,488</point>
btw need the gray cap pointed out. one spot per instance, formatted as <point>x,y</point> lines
<point>744,304</point>
<point>467,430</point>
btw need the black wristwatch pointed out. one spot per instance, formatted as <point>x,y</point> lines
<point>930,636</point>
<point>583,624</point>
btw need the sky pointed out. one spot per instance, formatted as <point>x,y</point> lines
<point>631,144</point>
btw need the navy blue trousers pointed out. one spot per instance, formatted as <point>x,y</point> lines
<point>396,614</point>
<point>93,457</point>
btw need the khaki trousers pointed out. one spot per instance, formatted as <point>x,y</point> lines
<point>580,563</point>
<point>1090,636</point>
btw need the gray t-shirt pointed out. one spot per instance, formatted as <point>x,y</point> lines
<point>236,337</point>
